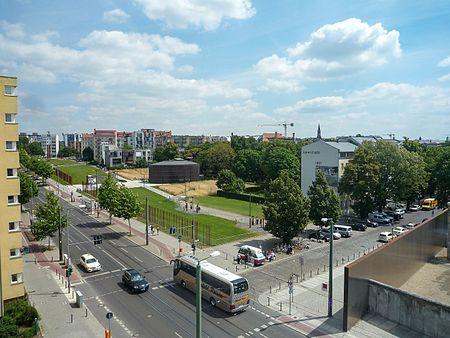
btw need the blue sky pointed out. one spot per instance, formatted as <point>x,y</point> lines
<point>223,66</point>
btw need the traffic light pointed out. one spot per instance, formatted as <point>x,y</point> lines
<point>69,271</point>
<point>98,239</point>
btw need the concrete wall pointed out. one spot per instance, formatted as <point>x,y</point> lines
<point>392,264</point>
<point>420,314</point>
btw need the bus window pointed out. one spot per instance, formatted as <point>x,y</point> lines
<point>240,286</point>
<point>176,267</point>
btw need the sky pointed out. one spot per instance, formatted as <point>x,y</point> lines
<point>217,67</point>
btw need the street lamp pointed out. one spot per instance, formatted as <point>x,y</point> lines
<point>198,326</point>
<point>330,268</point>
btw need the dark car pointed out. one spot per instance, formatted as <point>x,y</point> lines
<point>371,224</point>
<point>134,281</point>
<point>359,226</point>
<point>317,235</point>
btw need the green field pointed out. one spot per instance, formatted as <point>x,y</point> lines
<point>58,162</point>
<point>222,230</point>
<point>78,172</point>
<point>231,205</point>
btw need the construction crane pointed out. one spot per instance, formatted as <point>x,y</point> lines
<point>285,125</point>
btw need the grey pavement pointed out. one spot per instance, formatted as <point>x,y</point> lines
<point>47,291</point>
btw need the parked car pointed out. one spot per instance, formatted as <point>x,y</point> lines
<point>90,263</point>
<point>251,254</point>
<point>414,207</point>
<point>400,211</point>
<point>326,233</point>
<point>399,230</point>
<point>411,225</point>
<point>359,226</point>
<point>385,237</point>
<point>134,281</point>
<point>393,215</point>
<point>371,224</point>
<point>344,230</point>
<point>317,235</point>
<point>379,218</point>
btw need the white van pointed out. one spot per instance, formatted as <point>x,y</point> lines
<point>251,255</point>
<point>344,230</point>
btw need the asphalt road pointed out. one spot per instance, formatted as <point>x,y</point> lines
<point>166,310</point>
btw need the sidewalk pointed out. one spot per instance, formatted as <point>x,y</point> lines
<point>45,284</point>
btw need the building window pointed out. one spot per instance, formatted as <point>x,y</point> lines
<point>13,199</point>
<point>14,253</point>
<point>11,173</point>
<point>16,278</point>
<point>11,145</point>
<point>13,226</point>
<point>10,90</point>
<point>10,118</point>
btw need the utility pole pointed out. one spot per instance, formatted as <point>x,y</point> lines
<point>96,181</point>
<point>59,235</point>
<point>250,211</point>
<point>330,267</point>
<point>69,262</point>
<point>146,220</point>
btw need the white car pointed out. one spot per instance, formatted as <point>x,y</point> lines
<point>399,230</point>
<point>385,237</point>
<point>400,211</point>
<point>90,263</point>
<point>414,207</point>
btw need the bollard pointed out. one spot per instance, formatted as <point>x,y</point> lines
<point>71,317</point>
<point>56,272</point>
<point>324,268</point>
<point>268,301</point>
<point>317,270</point>
<point>348,258</point>
<point>373,248</point>
<point>65,283</point>
<point>86,313</point>
<point>343,260</point>
<point>279,285</point>
<point>73,294</point>
<point>337,262</point>
<point>281,306</point>
<point>297,277</point>
<point>226,256</point>
<point>52,258</point>
<point>236,268</point>
<point>303,277</point>
<point>270,289</point>
<point>310,273</point>
<point>353,255</point>
<point>35,262</point>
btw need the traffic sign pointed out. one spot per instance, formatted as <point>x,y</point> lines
<point>109,315</point>
<point>180,238</point>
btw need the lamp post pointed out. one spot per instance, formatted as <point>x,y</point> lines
<point>198,294</point>
<point>330,267</point>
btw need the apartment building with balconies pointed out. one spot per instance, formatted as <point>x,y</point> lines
<point>11,262</point>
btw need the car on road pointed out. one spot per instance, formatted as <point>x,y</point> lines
<point>359,226</point>
<point>379,218</point>
<point>385,237</point>
<point>414,207</point>
<point>317,235</point>
<point>90,263</point>
<point>410,225</point>
<point>399,230</point>
<point>326,233</point>
<point>371,224</point>
<point>134,281</point>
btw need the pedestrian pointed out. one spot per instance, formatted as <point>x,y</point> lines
<point>98,213</point>
<point>151,230</point>
<point>186,207</point>
<point>253,220</point>
<point>257,220</point>
<point>157,231</point>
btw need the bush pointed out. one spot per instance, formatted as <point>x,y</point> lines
<point>8,328</point>
<point>21,312</point>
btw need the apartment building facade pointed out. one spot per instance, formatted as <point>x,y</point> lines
<point>11,261</point>
<point>102,137</point>
<point>50,145</point>
<point>72,141</point>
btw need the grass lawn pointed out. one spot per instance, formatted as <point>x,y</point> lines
<point>56,161</point>
<point>231,205</point>
<point>79,172</point>
<point>222,230</point>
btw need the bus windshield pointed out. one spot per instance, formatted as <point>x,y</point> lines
<point>240,285</point>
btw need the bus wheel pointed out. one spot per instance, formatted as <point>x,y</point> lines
<point>212,301</point>
<point>183,284</point>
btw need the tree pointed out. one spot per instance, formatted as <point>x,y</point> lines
<point>28,188</point>
<point>42,168</point>
<point>277,159</point>
<point>88,154</point>
<point>324,199</point>
<point>108,195</point>
<point>67,151</point>
<point>360,180</point>
<point>166,152</point>
<point>24,158</point>
<point>228,181</point>
<point>127,205</point>
<point>285,208</point>
<point>218,157</point>
<point>239,143</point>
<point>48,217</point>
<point>441,173</point>
<point>412,145</point>
<point>247,165</point>
<point>35,149</point>
<point>141,163</point>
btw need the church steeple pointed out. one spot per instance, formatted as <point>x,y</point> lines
<point>319,134</point>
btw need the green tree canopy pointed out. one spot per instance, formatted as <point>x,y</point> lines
<point>239,143</point>
<point>441,172</point>
<point>88,154</point>
<point>35,149</point>
<point>42,168</point>
<point>67,151</point>
<point>324,200</point>
<point>285,208</point>
<point>277,159</point>
<point>228,181</point>
<point>218,157</point>
<point>247,165</point>
<point>166,152</point>
<point>127,205</point>
<point>108,195</point>
<point>28,188</point>
<point>24,158</point>
<point>48,217</point>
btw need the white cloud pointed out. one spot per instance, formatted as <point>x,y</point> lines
<point>284,86</point>
<point>197,13</point>
<point>385,107</point>
<point>116,15</point>
<point>445,62</point>
<point>444,78</point>
<point>186,69</point>
<point>333,51</point>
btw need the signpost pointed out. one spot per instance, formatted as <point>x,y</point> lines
<point>179,245</point>
<point>109,315</point>
<point>301,261</point>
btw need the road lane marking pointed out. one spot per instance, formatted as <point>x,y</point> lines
<point>78,247</point>
<point>98,274</point>
<point>124,250</point>
<point>123,266</point>
<point>177,334</point>
<point>138,259</point>
<point>117,270</point>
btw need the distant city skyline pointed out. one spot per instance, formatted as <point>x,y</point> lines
<point>229,66</point>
